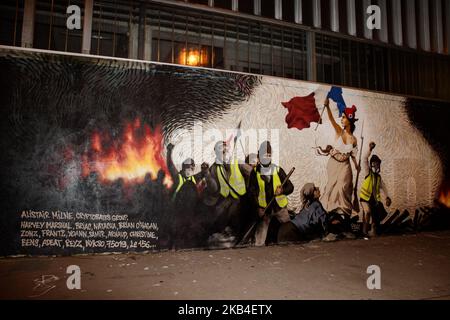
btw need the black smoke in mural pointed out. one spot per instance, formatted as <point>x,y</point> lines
<point>50,107</point>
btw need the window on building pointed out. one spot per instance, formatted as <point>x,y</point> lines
<point>278,52</point>
<point>417,7</point>
<point>110,30</point>
<point>50,31</point>
<point>325,14</point>
<point>328,59</point>
<point>266,50</point>
<point>361,16</point>
<point>446,26</point>
<point>11,19</point>
<point>268,8</point>
<point>307,10</point>
<point>188,40</point>
<point>343,16</point>
<point>390,21</point>
<point>405,26</point>
<point>246,6</point>
<point>204,2</point>
<point>288,10</point>
<point>222,4</point>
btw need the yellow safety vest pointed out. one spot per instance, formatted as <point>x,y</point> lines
<point>181,181</point>
<point>367,187</point>
<point>281,199</point>
<point>236,180</point>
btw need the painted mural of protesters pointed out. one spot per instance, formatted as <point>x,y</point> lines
<point>370,194</point>
<point>225,189</point>
<point>265,183</point>
<point>310,222</point>
<point>338,191</point>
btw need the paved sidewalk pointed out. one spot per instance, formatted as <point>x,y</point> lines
<point>412,267</point>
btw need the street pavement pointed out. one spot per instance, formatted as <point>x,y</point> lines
<point>413,266</point>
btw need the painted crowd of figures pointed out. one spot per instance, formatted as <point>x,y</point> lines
<point>233,202</point>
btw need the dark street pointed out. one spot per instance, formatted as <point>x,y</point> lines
<point>412,267</point>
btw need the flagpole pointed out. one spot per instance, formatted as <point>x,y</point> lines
<point>320,119</point>
<point>242,146</point>
<point>355,189</point>
<point>237,137</point>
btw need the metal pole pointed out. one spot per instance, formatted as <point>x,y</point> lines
<point>87,26</point>
<point>28,23</point>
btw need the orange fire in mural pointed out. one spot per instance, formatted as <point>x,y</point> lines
<point>444,198</point>
<point>131,157</point>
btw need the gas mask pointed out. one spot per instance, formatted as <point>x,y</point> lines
<point>265,159</point>
<point>375,168</point>
<point>222,154</point>
<point>226,157</point>
<point>189,172</point>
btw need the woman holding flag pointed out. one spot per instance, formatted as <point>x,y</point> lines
<point>338,191</point>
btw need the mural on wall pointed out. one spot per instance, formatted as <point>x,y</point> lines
<point>104,155</point>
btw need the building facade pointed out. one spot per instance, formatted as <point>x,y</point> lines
<point>326,41</point>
